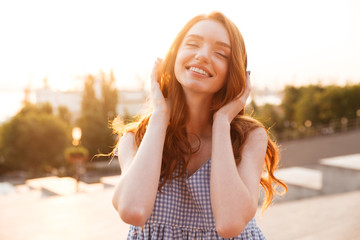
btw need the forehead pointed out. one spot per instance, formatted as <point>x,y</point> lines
<point>210,29</point>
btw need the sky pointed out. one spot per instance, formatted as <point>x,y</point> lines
<point>288,42</point>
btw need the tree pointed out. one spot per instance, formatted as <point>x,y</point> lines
<point>109,101</point>
<point>338,102</point>
<point>45,108</point>
<point>64,114</point>
<point>353,100</point>
<point>91,121</point>
<point>308,105</point>
<point>291,96</point>
<point>109,97</point>
<point>332,104</point>
<point>95,115</point>
<point>34,140</point>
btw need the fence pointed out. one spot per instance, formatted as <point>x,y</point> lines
<point>308,130</point>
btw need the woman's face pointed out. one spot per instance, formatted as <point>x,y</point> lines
<point>202,60</point>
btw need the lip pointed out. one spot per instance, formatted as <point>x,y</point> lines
<point>200,67</point>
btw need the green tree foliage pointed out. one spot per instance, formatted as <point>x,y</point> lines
<point>46,108</point>
<point>34,140</point>
<point>308,105</point>
<point>305,110</point>
<point>353,98</point>
<point>291,96</point>
<point>96,114</point>
<point>338,102</point>
<point>320,105</point>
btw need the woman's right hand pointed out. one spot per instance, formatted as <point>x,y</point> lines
<point>160,104</point>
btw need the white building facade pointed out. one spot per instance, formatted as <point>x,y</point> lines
<point>130,102</point>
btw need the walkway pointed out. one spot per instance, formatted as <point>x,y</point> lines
<point>90,216</point>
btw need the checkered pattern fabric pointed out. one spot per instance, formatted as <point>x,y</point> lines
<point>182,210</point>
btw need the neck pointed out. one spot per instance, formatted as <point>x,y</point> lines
<point>199,113</point>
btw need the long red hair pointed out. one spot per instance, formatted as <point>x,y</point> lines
<point>177,148</point>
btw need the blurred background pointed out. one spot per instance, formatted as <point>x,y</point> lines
<point>67,68</point>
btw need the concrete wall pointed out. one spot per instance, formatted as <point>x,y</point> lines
<point>308,151</point>
<point>337,180</point>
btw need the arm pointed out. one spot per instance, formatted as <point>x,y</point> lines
<point>234,189</point>
<point>135,193</point>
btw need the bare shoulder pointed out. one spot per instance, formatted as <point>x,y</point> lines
<point>259,135</point>
<point>126,150</point>
<point>126,140</point>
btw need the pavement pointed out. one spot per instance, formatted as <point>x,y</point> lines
<point>330,217</point>
<point>29,215</point>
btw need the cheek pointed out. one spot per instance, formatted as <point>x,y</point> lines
<point>179,64</point>
<point>222,70</point>
<point>177,67</point>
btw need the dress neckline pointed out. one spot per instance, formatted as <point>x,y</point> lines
<point>197,170</point>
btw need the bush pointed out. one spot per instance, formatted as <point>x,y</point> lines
<point>73,154</point>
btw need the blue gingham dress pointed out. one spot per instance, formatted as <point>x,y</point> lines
<point>182,210</point>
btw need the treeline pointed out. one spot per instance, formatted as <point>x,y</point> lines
<point>35,139</point>
<point>311,110</point>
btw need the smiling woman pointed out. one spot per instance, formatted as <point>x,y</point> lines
<point>191,168</point>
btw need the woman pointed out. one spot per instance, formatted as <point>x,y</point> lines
<point>191,168</point>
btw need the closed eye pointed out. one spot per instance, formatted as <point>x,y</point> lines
<point>192,44</point>
<point>222,55</point>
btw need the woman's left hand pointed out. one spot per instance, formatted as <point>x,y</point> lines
<point>231,109</point>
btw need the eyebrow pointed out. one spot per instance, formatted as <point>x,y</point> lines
<point>201,38</point>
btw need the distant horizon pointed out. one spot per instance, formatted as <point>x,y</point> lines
<point>15,97</point>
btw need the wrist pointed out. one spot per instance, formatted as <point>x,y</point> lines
<point>221,118</point>
<point>160,117</point>
<point>221,121</point>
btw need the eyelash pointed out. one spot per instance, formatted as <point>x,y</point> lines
<point>222,55</point>
<point>192,44</point>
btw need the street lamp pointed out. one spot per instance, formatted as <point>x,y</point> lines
<point>78,156</point>
<point>76,134</point>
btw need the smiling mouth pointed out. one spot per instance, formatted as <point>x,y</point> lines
<point>200,71</point>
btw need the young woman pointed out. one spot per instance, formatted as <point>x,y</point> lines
<point>191,168</point>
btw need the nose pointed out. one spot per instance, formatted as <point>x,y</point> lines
<point>202,54</point>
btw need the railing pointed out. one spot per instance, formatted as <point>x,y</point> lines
<point>307,130</point>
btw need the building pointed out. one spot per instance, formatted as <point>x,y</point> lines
<point>130,102</point>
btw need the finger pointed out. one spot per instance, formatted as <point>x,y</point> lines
<point>245,94</point>
<point>154,71</point>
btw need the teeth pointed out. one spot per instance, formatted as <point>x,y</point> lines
<point>198,70</point>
